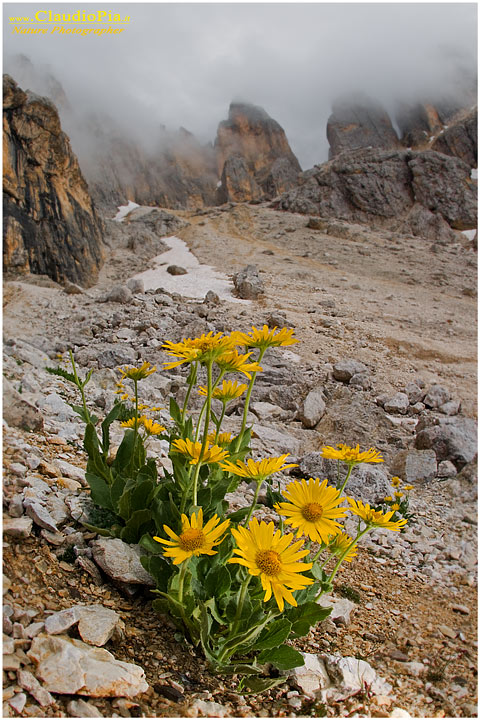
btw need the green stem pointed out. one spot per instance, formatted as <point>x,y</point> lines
<point>193,375</point>
<point>205,429</point>
<point>350,468</point>
<point>247,401</point>
<point>255,498</point>
<point>219,424</point>
<point>135,430</point>
<point>343,556</point>
<point>181,581</point>
<point>79,385</point>
<point>241,602</point>
<point>317,555</point>
<point>204,406</point>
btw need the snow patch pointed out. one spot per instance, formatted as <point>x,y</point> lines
<point>123,210</point>
<point>198,280</point>
<point>470,234</point>
<point>474,174</point>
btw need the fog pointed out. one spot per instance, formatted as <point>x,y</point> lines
<point>182,64</point>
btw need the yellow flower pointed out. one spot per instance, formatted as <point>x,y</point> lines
<point>223,439</point>
<point>257,469</point>
<point>194,538</point>
<point>395,507</point>
<point>312,509</point>
<point>229,390</point>
<point>132,422</point>
<point>265,553</point>
<point>375,518</point>
<point>395,482</point>
<point>398,495</point>
<point>233,362</point>
<point>339,544</point>
<point>351,456</point>
<point>134,373</point>
<point>204,349</point>
<point>388,498</point>
<point>408,487</point>
<point>265,337</point>
<point>125,396</point>
<point>152,427</point>
<point>211,454</point>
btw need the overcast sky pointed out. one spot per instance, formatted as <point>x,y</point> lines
<point>182,64</point>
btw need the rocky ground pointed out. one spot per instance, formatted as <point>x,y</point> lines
<point>387,357</point>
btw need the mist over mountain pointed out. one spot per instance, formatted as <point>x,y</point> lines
<point>182,64</point>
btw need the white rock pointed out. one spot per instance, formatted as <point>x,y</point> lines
<point>18,702</point>
<point>41,516</point>
<point>313,408</point>
<point>351,675</point>
<point>399,713</point>
<point>341,608</point>
<point>30,683</point>
<point>71,667</point>
<point>414,668</point>
<point>71,471</point>
<point>17,527</point>
<point>81,709</point>
<point>121,561</point>
<point>96,624</point>
<point>204,708</point>
<point>312,676</point>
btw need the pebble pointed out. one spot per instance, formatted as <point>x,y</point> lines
<point>18,702</point>
<point>463,609</point>
<point>30,683</point>
<point>447,631</point>
<point>81,709</point>
<point>17,527</point>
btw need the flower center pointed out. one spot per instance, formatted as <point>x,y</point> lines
<point>268,561</point>
<point>191,540</point>
<point>312,512</point>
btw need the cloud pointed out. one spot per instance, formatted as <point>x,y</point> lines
<point>181,64</point>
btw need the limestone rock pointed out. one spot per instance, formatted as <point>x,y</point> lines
<point>397,404</point>
<point>415,465</point>
<point>253,156</point>
<point>136,286</point>
<point>446,469</point>
<point>367,482</point>
<point>121,561</point>
<point>51,226</point>
<point>341,608</point>
<point>120,294</point>
<point>17,527</point>
<point>82,709</point>
<point>206,708</point>
<point>17,412</point>
<point>68,666</point>
<point>437,395</point>
<point>30,683</point>
<point>248,284</point>
<point>359,122</point>
<point>313,408</point>
<point>460,139</point>
<point>312,676</point>
<point>96,624</point>
<point>452,438</point>
<point>417,123</point>
<point>344,370</point>
<point>350,675</point>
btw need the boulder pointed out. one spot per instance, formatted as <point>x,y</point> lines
<point>313,408</point>
<point>248,284</point>
<point>121,561</point>
<point>397,404</point>
<point>414,465</point>
<point>452,438</point>
<point>70,667</point>
<point>344,370</point>
<point>367,482</point>
<point>18,412</point>
<point>459,138</point>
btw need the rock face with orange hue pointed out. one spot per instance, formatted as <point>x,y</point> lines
<point>254,160</point>
<point>51,226</point>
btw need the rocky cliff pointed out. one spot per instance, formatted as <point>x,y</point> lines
<point>460,138</point>
<point>357,123</point>
<point>380,187</point>
<point>254,159</point>
<point>51,226</point>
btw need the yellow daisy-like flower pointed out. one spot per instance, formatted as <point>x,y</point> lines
<point>132,422</point>
<point>340,543</point>
<point>265,337</point>
<point>195,539</point>
<point>408,487</point>
<point>211,454</point>
<point>233,362</point>
<point>312,508</point>
<point>133,373</point>
<point>223,439</point>
<point>351,456</point>
<point>375,518</point>
<point>395,507</point>
<point>152,427</point>
<point>266,554</point>
<point>398,495</point>
<point>257,469</point>
<point>395,481</point>
<point>388,498</point>
<point>229,390</point>
<point>203,349</point>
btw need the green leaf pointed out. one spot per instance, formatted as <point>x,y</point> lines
<point>239,515</point>
<point>158,568</point>
<point>260,684</point>
<point>175,412</point>
<point>62,373</point>
<point>136,525</point>
<point>113,415</point>
<point>283,657</point>
<point>274,635</point>
<point>217,582</point>
<point>305,616</point>
<point>100,491</point>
